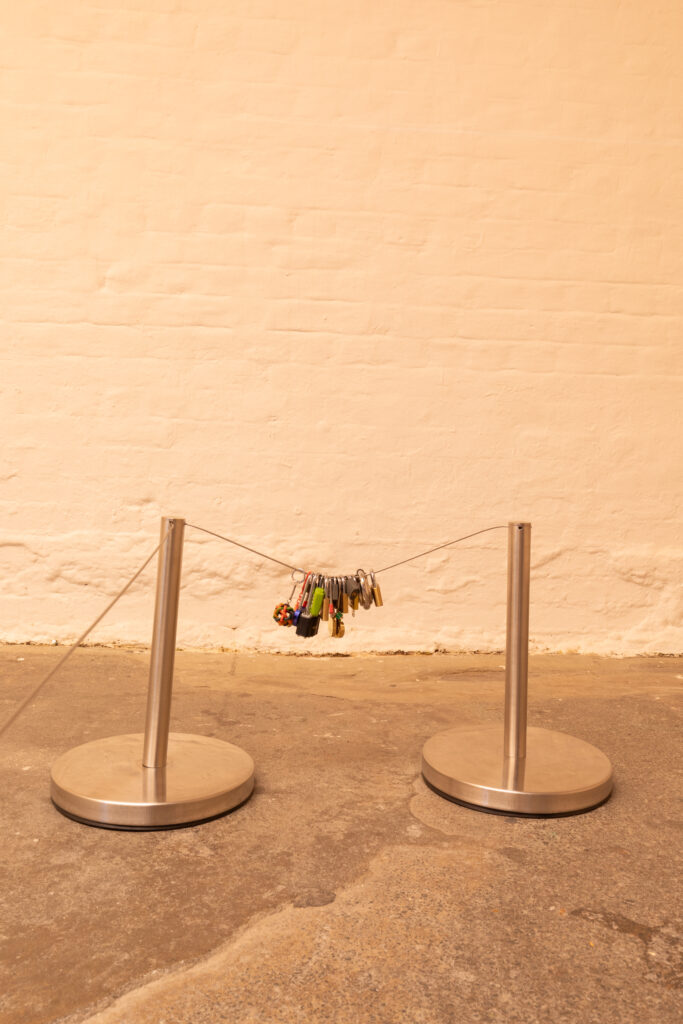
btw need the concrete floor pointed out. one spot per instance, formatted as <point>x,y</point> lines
<point>344,891</point>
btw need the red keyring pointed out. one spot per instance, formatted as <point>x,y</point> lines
<point>301,592</point>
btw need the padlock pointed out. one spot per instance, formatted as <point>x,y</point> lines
<point>376,592</point>
<point>307,625</point>
<point>337,628</point>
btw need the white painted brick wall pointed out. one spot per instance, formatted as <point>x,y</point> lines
<point>343,281</point>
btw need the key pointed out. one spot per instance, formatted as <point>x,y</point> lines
<point>304,595</point>
<point>299,606</point>
<point>354,593</point>
<point>343,595</point>
<point>311,592</point>
<point>326,599</point>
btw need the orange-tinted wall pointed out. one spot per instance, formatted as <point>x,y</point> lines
<point>344,280</point>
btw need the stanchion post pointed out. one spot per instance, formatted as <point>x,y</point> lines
<point>155,780</point>
<point>162,658</point>
<point>515,769</point>
<point>517,640</point>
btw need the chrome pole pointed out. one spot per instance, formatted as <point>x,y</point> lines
<point>510,767</point>
<point>160,688</point>
<point>182,779</point>
<point>517,641</point>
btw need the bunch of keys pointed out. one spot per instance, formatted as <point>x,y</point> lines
<point>328,598</point>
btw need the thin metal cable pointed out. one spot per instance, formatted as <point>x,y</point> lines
<point>261,554</point>
<point>296,568</point>
<point>237,544</point>
<point>440,546</point>
<point>81,638</point>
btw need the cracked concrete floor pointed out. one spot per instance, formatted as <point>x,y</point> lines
<point>344,890</point>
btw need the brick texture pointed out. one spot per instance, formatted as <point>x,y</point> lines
<point>343,281</point>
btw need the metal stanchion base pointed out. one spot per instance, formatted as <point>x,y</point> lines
<point>104,783</point>
<point>559,775</point>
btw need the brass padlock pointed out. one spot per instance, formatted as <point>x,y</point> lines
<point>337,628</point>
<point>376,592</point>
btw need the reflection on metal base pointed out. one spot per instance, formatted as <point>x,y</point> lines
<point>559,775</point>
<point>104,782</point>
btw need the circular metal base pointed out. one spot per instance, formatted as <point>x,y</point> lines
<point>104,782</point>
<point>559,775</point>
